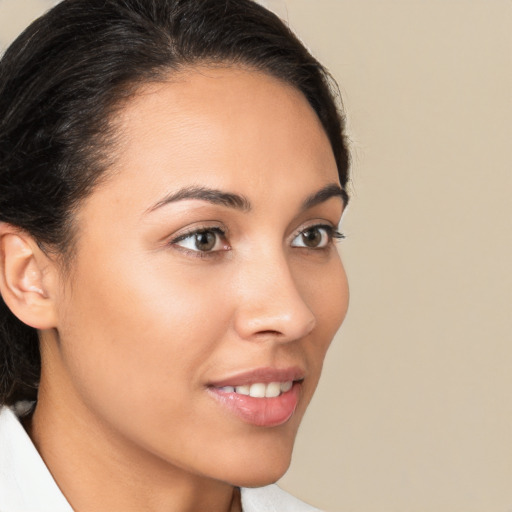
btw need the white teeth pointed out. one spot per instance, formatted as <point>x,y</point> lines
<point>286,386</point>
<point>258,390</point>
<point>273,390</point>
<point>243,390</point>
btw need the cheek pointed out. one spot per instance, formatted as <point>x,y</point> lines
<point>143,337</point>
<point>336,298</point>
<point>328,297</point>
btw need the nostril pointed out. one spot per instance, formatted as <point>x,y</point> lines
<point>270,333</point>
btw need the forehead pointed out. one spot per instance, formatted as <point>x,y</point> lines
<point>227,128</point>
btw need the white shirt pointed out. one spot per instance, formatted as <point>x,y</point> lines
<point>26,484</point>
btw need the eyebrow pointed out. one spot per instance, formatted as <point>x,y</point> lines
<point>209,195</point>
<point>325,193</point>
<point>240,202</point>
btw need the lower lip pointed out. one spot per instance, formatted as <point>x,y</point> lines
<point>262,412</point>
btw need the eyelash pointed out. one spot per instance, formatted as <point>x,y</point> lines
<point>333,235</point>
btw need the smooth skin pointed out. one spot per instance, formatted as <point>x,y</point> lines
<point>149,314</point>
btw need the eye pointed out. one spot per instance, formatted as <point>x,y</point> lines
<point>203,240</point>
<point>316,237</point>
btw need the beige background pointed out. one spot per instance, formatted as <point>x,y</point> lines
<point>414,412</point>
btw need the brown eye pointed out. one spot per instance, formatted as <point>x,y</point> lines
<point>203,240</point>
<point>315,237</point>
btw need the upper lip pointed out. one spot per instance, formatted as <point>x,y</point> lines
<point>264,375</point>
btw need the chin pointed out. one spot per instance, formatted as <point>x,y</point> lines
<point>258,465</point>
<point>259,476</point>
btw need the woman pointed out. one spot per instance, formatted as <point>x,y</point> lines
<point>172,176</point>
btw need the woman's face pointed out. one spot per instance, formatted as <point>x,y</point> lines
<point>205,269</point>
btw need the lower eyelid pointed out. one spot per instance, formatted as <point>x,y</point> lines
<point>199,254</point>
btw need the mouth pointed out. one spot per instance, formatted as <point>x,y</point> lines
<point>265,397</point>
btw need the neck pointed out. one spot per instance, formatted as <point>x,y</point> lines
<point>96,469</point>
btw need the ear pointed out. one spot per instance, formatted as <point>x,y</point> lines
<point>27,278</point>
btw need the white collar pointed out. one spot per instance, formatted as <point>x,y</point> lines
<point>26,484</point>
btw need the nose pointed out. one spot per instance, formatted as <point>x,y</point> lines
<point>270,304</point>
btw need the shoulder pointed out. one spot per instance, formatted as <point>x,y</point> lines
<point>272,499</point>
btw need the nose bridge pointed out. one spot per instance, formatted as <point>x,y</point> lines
<point>270,302</point>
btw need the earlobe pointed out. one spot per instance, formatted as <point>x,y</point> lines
<point>25,281</point>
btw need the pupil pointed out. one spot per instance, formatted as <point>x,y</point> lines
<point>205,241</point>
<point>312,237</point>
